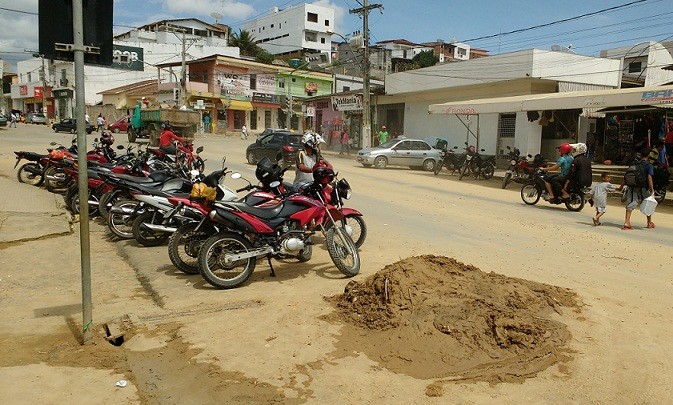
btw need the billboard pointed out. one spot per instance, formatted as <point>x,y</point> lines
<point>127,58</point>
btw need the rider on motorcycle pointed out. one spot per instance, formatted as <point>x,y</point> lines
<point>168,137</point>
<point>554,182</point>
<point>306,159</point>
<point>580,169</point>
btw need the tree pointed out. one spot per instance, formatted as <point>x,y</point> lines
<point>263,56</point>
<point>425,59</point>
<point>244,41</point>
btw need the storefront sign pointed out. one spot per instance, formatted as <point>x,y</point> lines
<point>127,58</point>
<point>234,85</point>
<point>37,92</point>
<point>347,103</point>
<point>663,96</point>
<point>266,83</point>
<point>310,111</point>
<point>265,98</point>
<point>63,93</point>
<point>23,90</point>
<point>311,87</point>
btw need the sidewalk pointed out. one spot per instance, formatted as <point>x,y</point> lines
<point>29,213</point>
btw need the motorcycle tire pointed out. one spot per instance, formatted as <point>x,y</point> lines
<point>120,224</point>
<point>58,186</point>
<point>575,202</point>
<point>145,236</point>
<point>108,199</point>
<point>358,228</point>
<point>438,168</point>
<point>213,267</point>
<point>342,251</point>
<point>506,180</point>
<point>185,244</point>
<point>463,172</point>
<point>487,172</point>
<point>70,193</point>
<point>74,204</point>
<point>530,194</point>
<point>27,177</point>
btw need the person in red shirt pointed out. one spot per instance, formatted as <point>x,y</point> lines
<point>167,138</point>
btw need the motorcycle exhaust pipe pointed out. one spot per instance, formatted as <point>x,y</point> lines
<point>122,210</point>
<point>54,178</point>
<point>158,228</point>
<point>33,170</point>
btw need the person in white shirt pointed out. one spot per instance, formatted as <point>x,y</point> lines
<point>600,197</point>
<point>306,159</point>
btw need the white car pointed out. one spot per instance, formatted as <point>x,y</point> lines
<point>415,153</point>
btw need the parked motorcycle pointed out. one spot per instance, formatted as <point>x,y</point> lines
<point>450,160</point>
<point>533,190</point>
<point>521,168</point>
<point>477,164</point>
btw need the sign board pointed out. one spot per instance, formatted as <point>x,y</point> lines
<point>199,105</point>
<point>351,102</point>
<point>127,58</point>
<point>310,111</point>
<point>266,98</point>
<point>311,87</point>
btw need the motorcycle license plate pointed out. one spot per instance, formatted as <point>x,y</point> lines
<point>512,162</point>
<point>468,157</point>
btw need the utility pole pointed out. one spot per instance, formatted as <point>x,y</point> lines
<point>183,84</point>
<point>366,131</point>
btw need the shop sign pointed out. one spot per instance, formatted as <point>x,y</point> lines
<point>310,111</point>
<point>23,90</point>
<point>311,87</point>
<point>235,85</point>
<point>347,103</point>
<point>662,96</point>
<point>265,98</point>
<point>37,92</point>
<point>266,83</point>
<point>127,58</point>
<point>63,93</point>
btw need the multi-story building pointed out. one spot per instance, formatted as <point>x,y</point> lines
<point>643,63</point>
<point>294,32</point>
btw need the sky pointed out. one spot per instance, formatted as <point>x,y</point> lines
<point>484,24</point>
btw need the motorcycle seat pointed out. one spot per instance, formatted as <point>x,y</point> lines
<point>32,156</point>
<point>264,213</point>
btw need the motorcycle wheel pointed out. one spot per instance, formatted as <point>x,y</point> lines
<point>70,193</point>
<point>120,224</point>
<point>487,172</point>
<point>463,172</point>
<point>59,185</point>
<point>107,200</point>
<point>506,180</point>
<point>530,194</point>
<point>74,204</point>
<point>575,202</point>
<point>438,168</point>
<point>184,246</point>
<point>357,226</point>
<point>213,265</point>
<point>145,236</point>
<point>24,176</point>
<point>343,252</point>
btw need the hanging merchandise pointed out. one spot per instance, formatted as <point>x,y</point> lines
<point>532,116</point>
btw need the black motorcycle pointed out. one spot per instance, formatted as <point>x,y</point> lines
<point>521,168</point>
<point>478,164</point>
<point>450,160</point>
<point>533,190</point>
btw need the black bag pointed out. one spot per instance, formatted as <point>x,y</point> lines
<point>636,174</point>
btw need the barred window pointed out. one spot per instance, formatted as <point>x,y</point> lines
<point>506,125</point>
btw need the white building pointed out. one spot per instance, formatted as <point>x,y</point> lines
<point>644,64</point>
<point>404,108</point>
<point>136,52</point>
<point>295,31</point>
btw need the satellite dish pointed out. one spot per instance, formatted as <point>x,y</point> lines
<point>216,16</point>
<point>556,48</point>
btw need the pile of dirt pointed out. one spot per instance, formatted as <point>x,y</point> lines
<point>434,317</point>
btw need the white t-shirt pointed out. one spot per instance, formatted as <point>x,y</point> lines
<point>299,176</point>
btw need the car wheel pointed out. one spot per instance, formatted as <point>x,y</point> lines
<point>429,165</point>
<point>72,131</point>
<point>55,130</point>
<point>380,162</point>
<point>251,158</point>
<point>116,130</point>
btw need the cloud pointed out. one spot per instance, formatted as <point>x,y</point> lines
<point>339,12</point>
<point>227,8</point>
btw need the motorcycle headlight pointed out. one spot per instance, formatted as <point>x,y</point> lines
<point>347,194</point>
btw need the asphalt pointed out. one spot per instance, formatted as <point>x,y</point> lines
<point>29,213</point>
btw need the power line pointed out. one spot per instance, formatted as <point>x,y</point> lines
<point>18,11</point>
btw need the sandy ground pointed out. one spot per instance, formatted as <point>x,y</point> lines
<point>596,303</point>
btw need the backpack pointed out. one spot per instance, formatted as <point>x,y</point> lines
<point>636,174</point>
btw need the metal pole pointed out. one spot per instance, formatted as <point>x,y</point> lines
<point>365,134</point>
<point>288,120</point>
<point>183,85</point>
<point>44,87</point>
<point>82,181</point>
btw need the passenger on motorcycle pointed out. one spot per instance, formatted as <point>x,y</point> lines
<point>168,137</point>
<point>306,159</point>
<point>580,169</point>
<point>555,182</point>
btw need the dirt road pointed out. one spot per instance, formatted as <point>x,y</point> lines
<point>276,339</point>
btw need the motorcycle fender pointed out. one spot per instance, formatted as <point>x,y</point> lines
<point>18,159</point>
<point>345,212</point>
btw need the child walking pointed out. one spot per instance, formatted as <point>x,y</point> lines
<point>600,197</point>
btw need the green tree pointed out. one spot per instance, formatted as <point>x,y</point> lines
<point>425,59</point>
<point>245,42</point>
<point>263,56</point>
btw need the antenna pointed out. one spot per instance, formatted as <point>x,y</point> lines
<point>216,16</point>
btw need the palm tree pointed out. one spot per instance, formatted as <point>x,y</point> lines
<point>245,42</point>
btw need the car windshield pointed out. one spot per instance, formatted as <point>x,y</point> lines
<point>294,139</point>
<point>389,144</point>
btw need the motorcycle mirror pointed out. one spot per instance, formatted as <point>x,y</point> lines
<point>236,175</point>
<point>53,143</point>
<point>199,149</point>
<point>455,147</point>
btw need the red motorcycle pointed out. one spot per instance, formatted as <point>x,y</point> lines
<point>280,229</point>
<point>521,169</point>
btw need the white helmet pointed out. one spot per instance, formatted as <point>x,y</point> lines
<point>312,139</point>
<point>579,148</point>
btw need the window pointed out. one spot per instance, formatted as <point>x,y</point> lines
<point>272,25</point>
<point>418,145</point>
<point>281,84</point>
<point>346,88</point>
<point>312,17</point>
<point>635,67</point>
<point>405,145</point>
<point>326,23</point>
<point>322,40</point>
<point>253,82</point>
<point>29,78</point>
<point>506,125</point>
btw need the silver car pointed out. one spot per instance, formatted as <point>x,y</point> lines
<point>38,118</point>
<point>415,153</point>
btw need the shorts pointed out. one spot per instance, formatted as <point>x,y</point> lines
<point>634,197</point>
<point>600,208</point>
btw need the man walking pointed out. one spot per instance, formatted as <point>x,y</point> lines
<point>12,119</point>
<point>383,135</point>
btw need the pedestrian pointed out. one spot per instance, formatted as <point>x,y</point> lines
<point>636,194</point>
<point>86,118</point>
<point>599,198</point>
<point>100,121</point>
<point>206,122</point>
<point>383,135</point>
<point>244,132</point>
<point>345,143</point>
<point>669,143</point>
<point>12,119</point>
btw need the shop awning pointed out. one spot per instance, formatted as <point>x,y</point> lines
<point>637,96</point>
<point>238,105</point>
<point>265,105</point>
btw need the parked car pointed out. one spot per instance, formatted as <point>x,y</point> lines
<point>286,142</point>
<point>415,153</point>
<point>121,125</point>
<point>3,120</point>
<point>69,125</point>
<point>38,118</point>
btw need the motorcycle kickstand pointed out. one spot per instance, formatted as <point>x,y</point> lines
<point>268,258</point>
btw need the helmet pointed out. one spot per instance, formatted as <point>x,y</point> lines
<point>166,125</point>
<point>565,148</point>
<point>107,139</point>
<point>578,148</point>
<point>268,172</point>
<point>311,139</point>
<point>323,172</point>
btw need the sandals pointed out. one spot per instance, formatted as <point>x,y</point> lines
<point>627,228</point>
<point>651,225</point>
<point>596,223</point>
